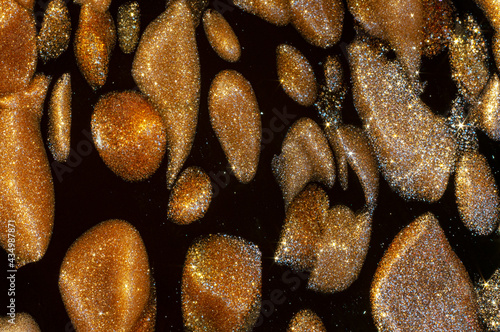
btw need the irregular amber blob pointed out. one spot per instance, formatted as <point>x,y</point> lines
<point>306,320</point>
<point>129,26</point>
<point>53,38</point>
<point>60,119</point>
<point>221,36</point>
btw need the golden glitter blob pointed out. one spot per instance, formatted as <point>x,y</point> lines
<point>167,69</point>
<point>477,194</point>
<point>221,284</point>
<point>190,196</point>
<point>301,231</point>
<point>129,26</point>
<point>221,36</point>
<point>438,28</point>
<point>318,21</point>
<point>486,113</point>
<point>491,10</point>
<point>26,188</point>
<point>235,118</point>
<point>488,299</point>
<point>306,320</point>
<point>398,22</point>
<point>468,58</point>
<point>129,134</point>
<point>60,119</point>
<point>98,5</point>
<point>332,70</point>
<point>23,322</point>
<point>414,147</point>
<point>197,8</point>
<point>28,4</point>
<point>421,285</point>
<point>94,41</point>
<point>18,56</point>
<point>305,157</point>
<point>276,12</point>
<point>105,280</point>
<point>54,36</point>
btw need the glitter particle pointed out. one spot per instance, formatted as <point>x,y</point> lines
<point>129,26</point>
<point>221,36</point>
<point>276,12</point>
<point>60,119</point>
<point>54,36</point>
<point>23,323</point>
<point>306,320</point>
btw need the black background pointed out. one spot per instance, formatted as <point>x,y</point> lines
<point>90,193</point>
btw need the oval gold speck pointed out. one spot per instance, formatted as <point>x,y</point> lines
<point>129,26</point>
<point>306,320</point>
<point>22,322</point>
<point>221,36</point>
<point>54,36</point>
<point>60,119</point>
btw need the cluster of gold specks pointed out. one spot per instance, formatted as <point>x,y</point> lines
<point>296,75</point>
<point>129,134</point>
<point>98,5</point>
<point>276,12</point>
<point>60,119</point>
<point>488,298</point>
<point>438,27</point>
<point>190,196</point>
<point>301,231</point>
<point>129,26</point>
<point>486,113</point>
<point>421,285</point>
<point>468,58</point>
<point>332,70</point>
<point>477,194</point>
<point>105,280</point>
<point>235,118</point>
<point>414,147</point>
<point>462,127</point>
<point>197,8</point>
<point>23,322</point>
<point>53,38</point>
<point>221,284</point>
<point>18,57</point>
<point>305,157</point>
<point>306,320</point>
<point>167,69</point>
<point>491,10</point>
<point>27,191</point>
<point>318,21</point>
<point>221,36</point>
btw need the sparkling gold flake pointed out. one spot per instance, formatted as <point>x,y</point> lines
<point>221,284</point>
<point>23,322</point>
<point>221,36</point>
<point>486,113</point>
<point>105,281</point>
<point>306,320</point>
<point>197,8</point>
<point>166,68</point>
<point>190,196</point>
<point>421,285</point>
<point>276,12</point>
<point>129,26</point>
<point>438,28</point>
<point>129,135</point>
<point>60,119</point>
<point>488,299</point>
<point>54,36</point>
<point>98,5</point>
<point>26,188</point>
<point>235,118</point>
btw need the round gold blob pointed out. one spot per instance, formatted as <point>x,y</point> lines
<point>23,322</point>
<point>306,320</point>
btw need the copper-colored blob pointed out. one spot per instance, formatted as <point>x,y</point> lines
<point>129,26</point>
<point>98,5</point>
<point>26,188</point>
<point>486,113</point>
<point>301,231</point>
<point>491,10</point>
<point>54,36</point>
<point>332,70</point>
<point>414,147</point>
<point>94,41</point>
<point>221,284</point>
<point>477,194</point>
<point>296,75</point>
<point>318,21</point>
<point>305,157</point>
<point>105,280</point>
<point>276,12</point>
<point>190,196</point>
<point>221,36</point>
<point>18,56</point>
<point>167,69</point>
<point>341,251</point>
<point>22,322</point>
<point>129,134</point>
<point>438,27</point>
<point>235,118</point>
<point>421,285</point>
<point>306,320</point>
<point>197,8</point>
<point>60,119</point>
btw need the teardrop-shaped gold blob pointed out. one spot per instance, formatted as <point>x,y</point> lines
<point>129,134</point>
<point>488,299</point>
<point>22,322</point>
<point>190,197</point>
<point>305,157</point>
<point>306,320</point>
<point>221,284</point>
<point>421,285</point>
<point>486,113</point>
<point>414,147</point>
<point>438,27</point>
<point>105,280</point>
<point>477,194</point>
<point>18,56</point>
<point>318,21</point>
<point>54,36</point>
<point>296,75</point>
<point>235,118</point>
<point>98,5</point>
<point>221,36</point>
<point>276,12</point>
<point>60,119</point>
<point>167,69</point>
<point>129,26</point>
<point>301,231</point>
<point>491,10</point>
<point>26,188</point>
<point>94,41</point>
